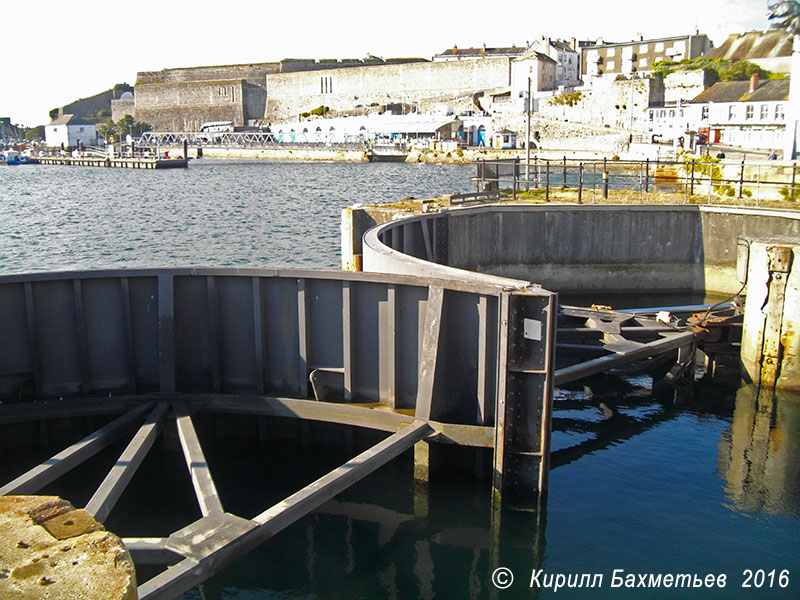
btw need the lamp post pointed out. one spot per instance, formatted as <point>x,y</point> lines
<point>528,138</point>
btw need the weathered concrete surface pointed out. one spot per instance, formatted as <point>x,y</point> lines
<point>279,154</point>
<point>770,343</point>
<point>579,248</point>
<point>49,549</point>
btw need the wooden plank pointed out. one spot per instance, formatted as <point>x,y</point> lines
<point>483,352</point>
<point>106,496</point>
<point>53,468</point>
<point>190,571</point>
<point>347,340</point>
<point>429,353</point>
<point>203,483</point>
<point>502,392</point>
<point>166,333</point>
<point>388,335</point>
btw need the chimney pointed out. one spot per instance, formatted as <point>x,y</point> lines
<point>753,82</point>
<point>574,44</point>
<point>547,43</point>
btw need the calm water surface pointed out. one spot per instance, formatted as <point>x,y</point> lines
<point>702,480</point>
<point>215,213</point>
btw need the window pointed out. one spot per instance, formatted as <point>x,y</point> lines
<point>731,113</point>
<point>651,115</point>
<point>610,65</point>
<point>659,47</point>
<point>764,112</point>
<point>642,62</point>
<point>611,52</point>
<point>779,112</point>
<point>326,85</point>
<point>672,114</point>
<point>643,48</point>
<point>749,112</point>
<point>223,91</point>
<point>704,113</point>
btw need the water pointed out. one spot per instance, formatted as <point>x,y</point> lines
<point>215,213</point>
<point>701,480</point>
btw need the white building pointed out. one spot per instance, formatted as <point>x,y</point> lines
<point>567,57</point>
<point>68,131</point>
<point>749,114</point>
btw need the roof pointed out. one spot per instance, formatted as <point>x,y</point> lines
<point>754,44</point>
<point>69,120</point>
<point>739,91</point>
<point>600,44</point>
<point>536,54</point>
<point>455,51</point>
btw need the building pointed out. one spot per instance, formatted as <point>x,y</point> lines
<point>456,53</point>
<point>491,82</point>
<point>566,56</point>
<point>749,114</point>
<point>638,57</point>
<point>68,131</point>
<point>770,50</point>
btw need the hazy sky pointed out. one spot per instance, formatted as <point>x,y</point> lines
<point>55,52</point>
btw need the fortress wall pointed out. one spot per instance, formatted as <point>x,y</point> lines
<point>186,106</point>
<point>252,73</point>
<point>289,94</point>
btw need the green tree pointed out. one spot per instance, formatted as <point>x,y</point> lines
<point>35,133</point>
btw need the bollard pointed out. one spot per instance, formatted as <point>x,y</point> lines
<point>770,350</point>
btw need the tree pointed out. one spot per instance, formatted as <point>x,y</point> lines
<point>786,15</point>
<point>35,133</point>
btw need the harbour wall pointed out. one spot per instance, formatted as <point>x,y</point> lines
<point>571,248</point>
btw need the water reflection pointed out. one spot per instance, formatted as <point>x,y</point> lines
<point>759,457</point>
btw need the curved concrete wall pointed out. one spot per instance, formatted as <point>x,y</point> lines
<point>570,248</point>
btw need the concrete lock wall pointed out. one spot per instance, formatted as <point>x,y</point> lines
<point>770,344</point>
<point>576,248</point>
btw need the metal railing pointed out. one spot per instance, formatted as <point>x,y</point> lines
<point>714,179</point>
<point>250,139</point>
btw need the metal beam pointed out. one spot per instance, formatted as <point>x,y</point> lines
<point>204,488</point>
<point>605,363</point>
<point>150,551</point>
<point>119,476</point>
<point>429,352</point>
<point>191,571</point>
<point>53,468</point>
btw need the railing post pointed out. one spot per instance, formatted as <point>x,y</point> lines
<point>564,186</point>
<point>580,183</point>
<point>741,180</point>
<point>691,184</point>
<point>794,174</point>
<point>605,179</point>
<point>514,166</point>
<point>547,180</point>
<point>647,175</point>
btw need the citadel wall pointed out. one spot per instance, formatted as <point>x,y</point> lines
<point>289,94</point>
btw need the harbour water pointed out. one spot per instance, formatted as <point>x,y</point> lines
<point>702,480</point>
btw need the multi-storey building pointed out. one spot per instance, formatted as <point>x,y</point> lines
<point>638,57</point>
<point>566,56</point>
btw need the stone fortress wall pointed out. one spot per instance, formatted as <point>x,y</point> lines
<point>289,94</point>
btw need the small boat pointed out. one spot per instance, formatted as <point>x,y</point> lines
<point>13,157</point>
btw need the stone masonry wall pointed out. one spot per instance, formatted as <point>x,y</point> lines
<point>289,94</point>
<point>186,106</point>
<point>618,105</point>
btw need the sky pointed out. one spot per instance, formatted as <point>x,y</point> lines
<point>56,53</point>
